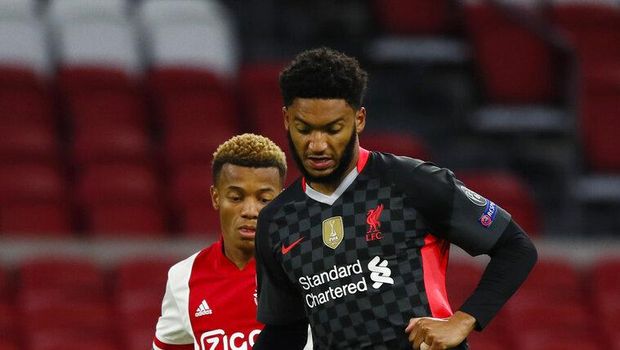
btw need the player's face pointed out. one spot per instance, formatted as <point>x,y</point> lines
<point>239,194</point>
<point>323,137</point>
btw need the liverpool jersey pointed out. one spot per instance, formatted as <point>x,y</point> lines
<point>359,263</point>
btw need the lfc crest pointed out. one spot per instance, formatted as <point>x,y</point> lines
<point>333,231</point>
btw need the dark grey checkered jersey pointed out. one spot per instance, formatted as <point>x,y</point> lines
<point>360,263</point>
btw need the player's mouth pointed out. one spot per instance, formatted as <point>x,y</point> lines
<point>320,163</point>
<point>247,231</point>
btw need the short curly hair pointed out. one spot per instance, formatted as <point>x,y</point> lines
<point>324,73</point>
<point>249,150</point>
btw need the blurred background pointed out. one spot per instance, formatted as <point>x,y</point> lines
<point>110,111</point>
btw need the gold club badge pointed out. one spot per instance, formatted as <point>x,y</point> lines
<point>333,231</point>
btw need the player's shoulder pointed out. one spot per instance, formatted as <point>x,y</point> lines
<point>181,272</point>
<point>407,169</point>
<point>291,193</point>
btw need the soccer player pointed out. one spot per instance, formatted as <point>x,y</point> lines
<point>210,299</point>
<point>358,246</point>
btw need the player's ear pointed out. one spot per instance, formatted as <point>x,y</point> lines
<point>215,197</point>
<point>285,116</point>
<point>360,120</point>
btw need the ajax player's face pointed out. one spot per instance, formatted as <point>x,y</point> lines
<point>239,194</point>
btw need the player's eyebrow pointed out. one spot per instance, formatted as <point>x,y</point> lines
<point>300,118</point>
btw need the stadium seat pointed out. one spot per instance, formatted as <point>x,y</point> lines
<point>600,102</point>
<point>186,144</point>
<point>117,183</point>
<point>191,200</point>
<point>590,27</point>
<point>401,143</point>
<point>49,219</point>
<point>94,33</point>
<point>120,199</point>
<point>67,281</point>
<point>24,97</point>
<point>515,65</point>
<point>7,323</point>
<point>134,339</point>
<point>183,95</point>
<point>413,17</point>
<point>461,280</point>
<point>554,281</point>
<point>28,140</point>
<point>261,101</point>
<point>74,339</point>
<point>128,220</point>
<point>101,95</point>
<point>33,189</point>
<point>111,143</point>
<point>22,39</point>
<point>509,192</point>
<point>190,33</point>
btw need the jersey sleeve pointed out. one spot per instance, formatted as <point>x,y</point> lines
<point>170,334</point>
<point>279,301</point>
<point>453,211</point>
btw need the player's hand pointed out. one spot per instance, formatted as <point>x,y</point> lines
<point>440,333</point>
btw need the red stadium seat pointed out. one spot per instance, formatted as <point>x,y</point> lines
<point>397,142</point>
<point>33,189</point>
<point>509,192</point>
<point>70,340</point>
<point>28,141</point>
<point>111,143</point>
<point>413,17</point>
<point>101,95</point>
<point>134,339</point>
<point>192,144</point>
<point>65,280</point>
<point>126,220</point>
<point>36,218</point>
<point>553,281</point>
<point>262,102</point>
<point>7,323</point>
<point>461,280</point>
<point>24,96</point>
<point>117,183</point>
<point>120,199</point>
<point>515,64</point>
<point>142,274</point>
<point>196,96</point>
<point>599,118</point>
<point>590,27</point>
<point>191,199</point>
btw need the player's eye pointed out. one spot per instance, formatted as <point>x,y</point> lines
<point>304,130</point>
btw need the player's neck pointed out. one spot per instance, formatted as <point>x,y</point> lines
<point>327,188</point>
<point>239,257</point>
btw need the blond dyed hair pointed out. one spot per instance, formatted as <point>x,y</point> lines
<point>249,150</point>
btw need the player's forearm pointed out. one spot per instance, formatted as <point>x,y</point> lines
<point>280,337</point>
<point>511,261</point>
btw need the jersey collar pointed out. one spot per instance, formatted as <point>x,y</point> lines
<point>223,264</point>
<point>362,159</point>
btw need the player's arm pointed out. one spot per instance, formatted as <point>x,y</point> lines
<point>512,258</point>
<point>280,304</point>
<point>170,334</point>
<point>291,336</point>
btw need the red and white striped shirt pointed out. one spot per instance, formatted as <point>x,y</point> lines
<point>209,304</point>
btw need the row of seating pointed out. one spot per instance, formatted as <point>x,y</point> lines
<point>53,303</point>
<point>121,197</point>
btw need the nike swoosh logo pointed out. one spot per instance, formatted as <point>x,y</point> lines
<point>285,250</point>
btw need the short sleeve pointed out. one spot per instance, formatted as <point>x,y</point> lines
<point>170,333</point>
<point>279,301</point>
<point>453,211</point>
